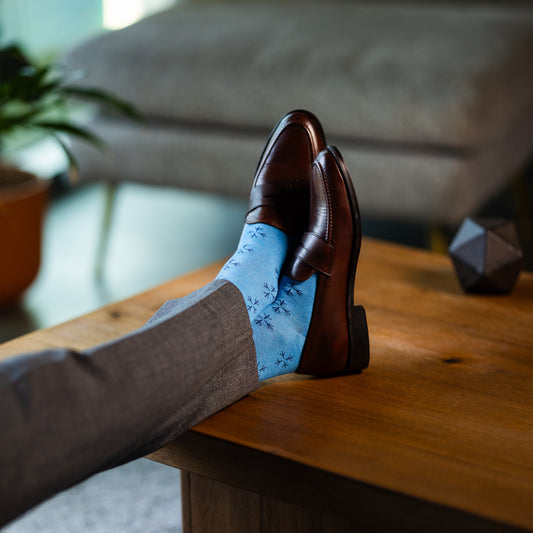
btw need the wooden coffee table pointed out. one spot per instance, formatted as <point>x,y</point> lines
<point>436,435</point>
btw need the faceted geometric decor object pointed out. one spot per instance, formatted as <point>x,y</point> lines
<point>487,255</point>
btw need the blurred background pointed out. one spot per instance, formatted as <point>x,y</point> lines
<point>147,245</point>
<point>104,242</point>
<point>431,103</point>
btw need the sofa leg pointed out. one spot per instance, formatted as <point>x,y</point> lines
<point>521,197</point>
<point>110,193</point>
<point>438,239</point>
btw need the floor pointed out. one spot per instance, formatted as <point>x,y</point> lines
<point>154,237</point>
<point>140,497</point>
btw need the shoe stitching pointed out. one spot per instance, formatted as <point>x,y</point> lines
<point>329,215</point>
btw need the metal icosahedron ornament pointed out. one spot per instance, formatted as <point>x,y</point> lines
<point>487,255</point>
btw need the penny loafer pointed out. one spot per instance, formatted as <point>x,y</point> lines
<point>280,191</point>
<point>337,339</point>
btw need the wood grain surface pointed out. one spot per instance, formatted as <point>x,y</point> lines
<point>442,417</point>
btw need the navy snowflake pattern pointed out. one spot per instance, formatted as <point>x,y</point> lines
<point>291,289</point>
<point>245,249</point>
<point>261,367</point>
<point>264,320</point>
<point>258,232</point>
<point>269,291</point>
<point>283,359</point>
<point>251,304</point>
<point>232,263</point>
<point>281,307</point>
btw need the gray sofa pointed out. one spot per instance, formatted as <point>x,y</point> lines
<point>431,104</point>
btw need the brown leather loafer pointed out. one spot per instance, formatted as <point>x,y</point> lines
<point>280,191</point>
<point>337,340</point>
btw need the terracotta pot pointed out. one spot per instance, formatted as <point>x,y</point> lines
<point>22,206</point>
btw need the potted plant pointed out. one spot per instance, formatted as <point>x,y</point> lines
<point>33,98</point>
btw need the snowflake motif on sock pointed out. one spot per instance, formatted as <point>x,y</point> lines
<point>258,232</point>
<point>283,359</point>
<point>245,248</point>
<point>291,289</point>
<point>269,291</point>
<point>261,368</point>
<point>251,304</point>
<point>264,321</point>
<point>231,264</point>
<point>281,307</point>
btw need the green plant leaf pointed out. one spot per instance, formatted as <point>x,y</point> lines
<point>73,163</point>
<point>103,97</point>
<point>68,127</point>
<point>36,97</point>
<point>12,62</point>
<point>11,121</point>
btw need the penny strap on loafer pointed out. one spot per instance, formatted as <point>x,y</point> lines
<point>316,253</point>
<point>271,195</point>
<point>337,339</point>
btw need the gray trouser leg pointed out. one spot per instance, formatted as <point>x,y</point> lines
<point>66,415</point>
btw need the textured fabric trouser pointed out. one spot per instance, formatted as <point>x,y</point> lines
<point>66,415</point>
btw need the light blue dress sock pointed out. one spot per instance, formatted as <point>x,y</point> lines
<point>280,329</point>
<point>279,309</point>
<point>255,266</point>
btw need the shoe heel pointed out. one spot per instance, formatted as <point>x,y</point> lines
<point>359,343</point>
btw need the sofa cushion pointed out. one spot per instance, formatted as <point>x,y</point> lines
<point>383,73</point>
<point>431,186</point>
